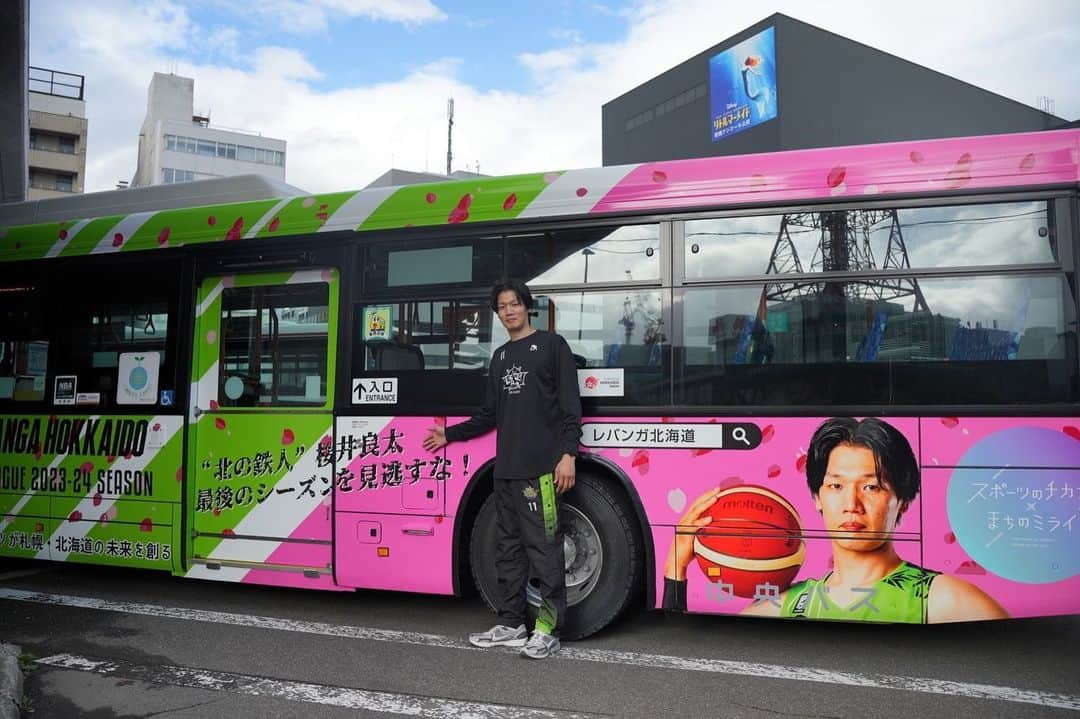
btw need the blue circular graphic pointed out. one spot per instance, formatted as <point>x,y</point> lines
<point>138,378</point>
<point>1021,524</point>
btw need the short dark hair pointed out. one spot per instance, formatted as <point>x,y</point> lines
<point>893,458</point>
<point>518,287</point>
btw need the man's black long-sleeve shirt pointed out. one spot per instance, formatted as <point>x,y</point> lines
<point>532,401</point>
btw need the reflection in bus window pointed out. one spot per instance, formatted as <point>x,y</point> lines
<point>274,345</point>
<point>988,321</point>
<point>427,334</point>
<point>587,255</point>
<point>954,236</point>
<point>622,329</point>
<point>612,329</point>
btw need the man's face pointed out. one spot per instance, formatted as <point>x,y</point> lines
<point>512,313</point>
<point>859,509</point>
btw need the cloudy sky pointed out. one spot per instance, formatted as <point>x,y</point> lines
<point>358,86</point>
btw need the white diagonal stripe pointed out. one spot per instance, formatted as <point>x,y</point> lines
<point>356,209</point>
<point>209,299</point>
<point>271,521</point>
<point>298,278</point>
<point>205,389</point>
<point>271,214</point>
<point>561,196</point>
<point>26,497</point>
<point>72,231</point>
<point>126,227</point>
<point>169,427</point>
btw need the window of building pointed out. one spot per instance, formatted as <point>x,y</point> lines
<point>170,175</point>
<point>67,144</point>
<point>210,148</point>
<point>64,182</point>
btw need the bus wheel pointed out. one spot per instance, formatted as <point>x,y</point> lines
<point>603,555</point>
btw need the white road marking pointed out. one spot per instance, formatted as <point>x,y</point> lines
<point>374,701</point>
<point>604,656</point>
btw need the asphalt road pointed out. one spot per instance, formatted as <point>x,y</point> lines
<point>117,643</point>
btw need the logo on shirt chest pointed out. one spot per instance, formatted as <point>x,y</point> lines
<point>514,379</point>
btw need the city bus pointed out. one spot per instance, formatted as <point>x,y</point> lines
<point>236,387</point>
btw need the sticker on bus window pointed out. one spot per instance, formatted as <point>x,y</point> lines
<point>377,323</point>
<point>64,389</point>
<point>600,382</point>
<point>137,378</point>
<point>374,390</point>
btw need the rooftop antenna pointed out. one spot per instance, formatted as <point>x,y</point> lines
<point>449,135</point>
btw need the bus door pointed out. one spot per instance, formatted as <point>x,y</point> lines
<point>261,438</point>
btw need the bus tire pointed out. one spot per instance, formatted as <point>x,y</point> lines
<point>603,555</point>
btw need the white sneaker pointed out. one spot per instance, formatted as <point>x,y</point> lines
<point>500,636</point>
<point>540,646</point>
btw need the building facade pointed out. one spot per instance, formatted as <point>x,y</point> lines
<point>56,158</point>
<point>176,145</point>
<point>785,85</point>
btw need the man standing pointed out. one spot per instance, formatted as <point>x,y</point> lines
<point>532,401</point>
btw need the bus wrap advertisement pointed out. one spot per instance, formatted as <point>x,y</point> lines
<point>101,490</point>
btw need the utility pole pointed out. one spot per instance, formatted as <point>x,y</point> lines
<point>449,136</point>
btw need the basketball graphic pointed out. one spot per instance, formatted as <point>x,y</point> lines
<point>754,538</point>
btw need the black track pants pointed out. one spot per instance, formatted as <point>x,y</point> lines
<point>529,542</point>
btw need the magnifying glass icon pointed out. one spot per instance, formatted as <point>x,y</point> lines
<point>739,435</point>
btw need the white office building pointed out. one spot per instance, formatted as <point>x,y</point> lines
<point>176,145</point>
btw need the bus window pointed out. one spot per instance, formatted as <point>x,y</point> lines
<point>24,347</point>
<point>621,330</point>
<point>274,345</point>
<point>1013,233</point>
<point>426,334</point>
<point>890,341</point>
<point>120,317</point>
<point>408,264</point>
<point>438,349</point>
<point>586,255</point>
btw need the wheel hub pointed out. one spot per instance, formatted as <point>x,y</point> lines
<point>584,554</point>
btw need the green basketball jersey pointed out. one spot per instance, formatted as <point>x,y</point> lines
<point>899,596</point>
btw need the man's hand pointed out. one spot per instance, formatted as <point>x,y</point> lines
<point>565,474</point>
<point>436,438</point>
<point>681,551</point>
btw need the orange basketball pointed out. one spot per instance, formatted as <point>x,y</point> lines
<point>755,538</point>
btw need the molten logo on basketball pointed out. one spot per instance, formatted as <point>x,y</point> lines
<point>754,538</point>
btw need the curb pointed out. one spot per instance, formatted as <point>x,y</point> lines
<point>11,682</point>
